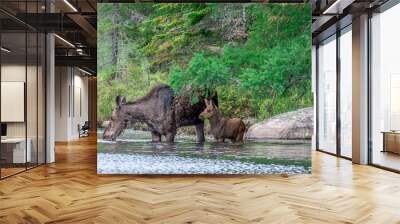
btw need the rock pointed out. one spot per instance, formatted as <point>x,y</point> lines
<point>291,125</point>
<point>188,130</point>
<point>250,121</point>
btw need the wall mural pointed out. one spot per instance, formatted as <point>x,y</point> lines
<point>204,88</point>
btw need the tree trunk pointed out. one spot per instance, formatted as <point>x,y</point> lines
<point>114,35</point>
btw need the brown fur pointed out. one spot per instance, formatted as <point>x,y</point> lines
<point>223,128</point>
<point>161,110</point>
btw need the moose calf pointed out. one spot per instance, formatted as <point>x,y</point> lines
<point>221,127</point>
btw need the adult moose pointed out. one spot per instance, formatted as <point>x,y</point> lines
<point>161,110</point>
<point>221,127</point>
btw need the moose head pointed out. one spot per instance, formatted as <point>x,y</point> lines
<point>209,111</point>
<point>119,120</point>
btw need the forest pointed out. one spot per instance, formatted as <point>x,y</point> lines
<point>257,57</point>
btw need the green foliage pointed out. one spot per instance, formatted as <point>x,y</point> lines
<point>256,56</point>
<point>202,73</point>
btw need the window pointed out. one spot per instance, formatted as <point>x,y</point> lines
<point>385,88</point>
<point>22,77</point>
<point>346,92</point>
<point>327,95</point>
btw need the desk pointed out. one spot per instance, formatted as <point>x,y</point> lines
<point>391,141</point>
<point>13,150</point>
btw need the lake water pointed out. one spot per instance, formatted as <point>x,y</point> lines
<point>134,153</point>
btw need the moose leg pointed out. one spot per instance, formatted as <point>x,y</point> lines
<point>155,136</point>
<point>200,132</point>
<point>239,137</point>
<point>220,140</point>
<point>170,137</point>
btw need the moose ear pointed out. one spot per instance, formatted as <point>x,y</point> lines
<point>206,102</point>
<point>212,103</point>
<point>120,100</point>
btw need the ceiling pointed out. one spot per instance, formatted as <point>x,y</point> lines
<point>73,21</point>
<point>328,15</point>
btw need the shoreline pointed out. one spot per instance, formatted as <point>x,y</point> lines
<point>209,138</point>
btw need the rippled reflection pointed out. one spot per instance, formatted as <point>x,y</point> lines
<point>139,142</point>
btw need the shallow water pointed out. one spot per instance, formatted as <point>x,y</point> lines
<point>138,143</point>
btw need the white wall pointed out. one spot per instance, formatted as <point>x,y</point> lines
<point>16,73</point>
<point>62,81</point>
<point>33,126</point>
<point>80,100</point>
<point>71,94</point>
<point>9,73</point>
<point>13,100</point>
